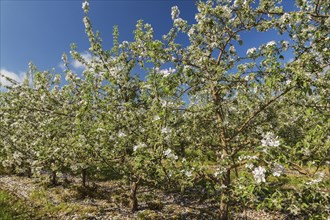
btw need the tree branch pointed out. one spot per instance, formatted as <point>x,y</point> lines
<point>261,109</point>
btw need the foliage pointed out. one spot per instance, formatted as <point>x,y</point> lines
<point>205,115</point>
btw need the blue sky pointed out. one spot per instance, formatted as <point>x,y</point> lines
<point>40,31</point>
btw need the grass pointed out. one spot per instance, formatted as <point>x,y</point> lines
<point>13,208</point>
<point>110,200</point>
<point>42,207</point>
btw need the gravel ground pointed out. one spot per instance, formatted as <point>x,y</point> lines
<point>110,202</point>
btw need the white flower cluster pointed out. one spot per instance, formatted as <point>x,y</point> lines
<point>259,174</point>
<point>139,146</point>
<point>121,134</point>
<point>168,153</point>
<point>269,140</point>
<point>175,12</point>
<point>278,169</point>
<point>239,3</point>
<point>226,11</point>
<point>249,166</point>
<point>285,17</point>
<point>250,52</point>
<point>192,31</point>
<point>271,44</point>
<point>166,103</point>
<point>64,58</point>
<point>188,173</point>
<point>232,49</point>
<point>99,129</point>
<point>124,44</point>
<point>85,6</point>
<point>306,152</point>
<point>220,171</point>
<point>17,156</point>
<point>146,86</point>
<point>69,76</point>
<point>319,178</point>
<point>86,22</point>
<point>247,157</point>
<point>167,72</point>
<point>165,130</point>
<point>180,23</point>
<point>156,118</point>
<point>285,45</point>
<point>57,78</point>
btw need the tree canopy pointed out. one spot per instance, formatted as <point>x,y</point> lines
<point>153,111</point>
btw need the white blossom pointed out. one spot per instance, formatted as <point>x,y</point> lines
<point>17,155</point>
<point>74,167</point>
<point>223,186</point>
<point>247,157</point>
<point>294,37</point>
<point>271,44</point>
<point>64,58</point>
<point>173,156</point>
<point>259,174</point>
<point>86,22</point>
<point>220,171</point>
<point>121,134</point>
<point>287,82</point>
<point>197,17</point>
<point>57,78</point>
<point>239,3</point>
<point>85,6</point>
<point>278,170</point>
<point>226,11</point>
<point>180,23</point>
<point>191,32</point>
<point>188,173</point>
<point>124,44</point>
<point>168,153</point>
<point>249,165</point>
<point>167,72</point>
<point>165,130</point>
<point>269,140</point>
<point>156,118</point>
<point>146,86</point>
<point>138,146</point>
<point>175,12</point>
<point>232,49</point>
<point>166,103</point>
<point>100,129</point>
<point>285,45</point>
<point>317,180</point>
<point>251,51</point>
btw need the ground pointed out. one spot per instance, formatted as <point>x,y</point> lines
<point>109,200</point>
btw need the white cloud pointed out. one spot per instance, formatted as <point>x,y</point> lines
<point>18,77</point>
<point>78,65</point>
<point>61,66</point>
